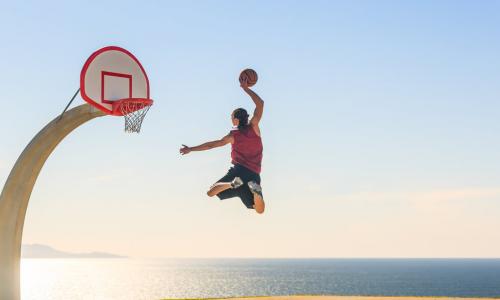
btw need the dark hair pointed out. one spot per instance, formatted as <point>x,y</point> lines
<point>242,115</point>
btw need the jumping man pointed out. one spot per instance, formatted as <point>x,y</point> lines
<point>243,179</point>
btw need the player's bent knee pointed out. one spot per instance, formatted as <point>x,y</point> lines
<point>259,209</point>
<point>211,192</point>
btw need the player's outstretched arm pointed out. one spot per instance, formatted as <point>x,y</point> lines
<point>259,104</point>
<point>208,145</point>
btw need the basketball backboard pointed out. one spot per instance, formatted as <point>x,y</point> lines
<point>111,74</point>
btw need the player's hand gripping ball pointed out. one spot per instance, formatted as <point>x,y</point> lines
<point>249,76</point>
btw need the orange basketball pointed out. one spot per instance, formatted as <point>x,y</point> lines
<point>250,76</point>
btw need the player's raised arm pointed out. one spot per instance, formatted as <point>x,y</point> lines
<point>208,145</point>
<point>248,78</point>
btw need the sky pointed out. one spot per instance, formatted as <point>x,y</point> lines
<point>380,128</point>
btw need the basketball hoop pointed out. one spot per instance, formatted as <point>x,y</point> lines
<point>133,110</point>
<point>114,81</point>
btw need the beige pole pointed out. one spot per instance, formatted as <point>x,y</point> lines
<point>17,190</point>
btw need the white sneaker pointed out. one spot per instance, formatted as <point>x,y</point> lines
<point>255,187</point>
<point>236,183</point>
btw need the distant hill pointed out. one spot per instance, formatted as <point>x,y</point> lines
<point>44,251</point>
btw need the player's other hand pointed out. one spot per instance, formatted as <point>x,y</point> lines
<point>184,150</point>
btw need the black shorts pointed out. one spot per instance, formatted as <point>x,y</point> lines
<point>243,191</point>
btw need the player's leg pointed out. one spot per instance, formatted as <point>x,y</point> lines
<point>219,187</point>
<point>258,198</point>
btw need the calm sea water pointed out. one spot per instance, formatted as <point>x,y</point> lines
<point>58,279</point>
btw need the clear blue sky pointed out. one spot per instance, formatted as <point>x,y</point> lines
<point>380,130</point>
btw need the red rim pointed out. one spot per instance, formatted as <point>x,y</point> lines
<point>142,102</point>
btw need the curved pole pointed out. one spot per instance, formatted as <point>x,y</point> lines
<point>17,190</point>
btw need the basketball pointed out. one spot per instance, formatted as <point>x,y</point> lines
<point>250,76</point>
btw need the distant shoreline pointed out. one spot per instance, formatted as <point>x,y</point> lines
<point>40,251</point>
<point>334,297</point>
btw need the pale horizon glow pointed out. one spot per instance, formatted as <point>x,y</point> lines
<point>380,128</point>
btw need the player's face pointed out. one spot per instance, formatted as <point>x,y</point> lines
<point>234,120</point>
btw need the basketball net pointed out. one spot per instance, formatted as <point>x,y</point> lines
<point>133,111</point>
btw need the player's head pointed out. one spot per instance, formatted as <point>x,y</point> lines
<point>239,117</point>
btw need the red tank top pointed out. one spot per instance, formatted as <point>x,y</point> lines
<point>247,149</point>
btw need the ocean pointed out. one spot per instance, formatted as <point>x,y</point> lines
<point>136,279</point>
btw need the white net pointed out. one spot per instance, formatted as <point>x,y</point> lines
<point>134,113</point>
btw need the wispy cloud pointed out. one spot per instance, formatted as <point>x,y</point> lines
<point>447,222</point>
<point>112,175</point>
<point>431,196</point>
<point>449,201</point>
